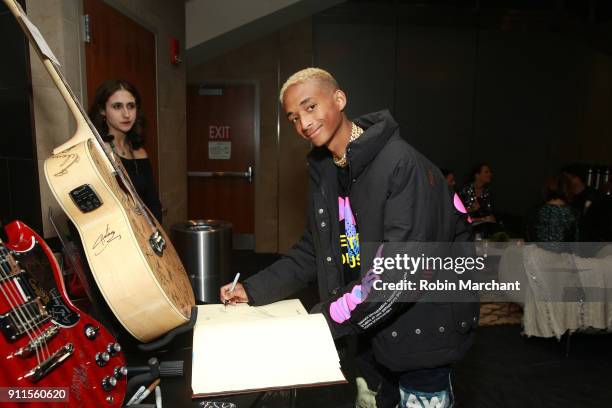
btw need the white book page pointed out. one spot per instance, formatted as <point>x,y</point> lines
<point>218,313</point>
<point>263,353</point>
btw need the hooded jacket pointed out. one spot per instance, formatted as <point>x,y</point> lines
<point>397,195</point>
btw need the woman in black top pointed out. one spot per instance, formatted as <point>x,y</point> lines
<point>116,114</point>
<point>476,195</point>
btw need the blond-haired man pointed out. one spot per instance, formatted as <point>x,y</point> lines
<point>368,184</point>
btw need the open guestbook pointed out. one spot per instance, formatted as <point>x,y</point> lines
<point>243,348</point>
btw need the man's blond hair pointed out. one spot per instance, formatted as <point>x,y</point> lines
<point>308,74</point>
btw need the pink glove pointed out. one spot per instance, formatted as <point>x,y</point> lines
<point>340,310</point>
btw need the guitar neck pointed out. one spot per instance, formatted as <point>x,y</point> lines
<point>84,128</point>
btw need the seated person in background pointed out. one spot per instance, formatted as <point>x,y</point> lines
<point>588,204</point>
<point>555,220</point>
<point>476,195</point>
<point>116,114</point>
<point>449,175</point>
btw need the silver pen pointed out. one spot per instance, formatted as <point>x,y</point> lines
<point>232,287</point>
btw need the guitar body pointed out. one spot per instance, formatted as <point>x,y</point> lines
<point>34,290</point>
<point>148,293</point>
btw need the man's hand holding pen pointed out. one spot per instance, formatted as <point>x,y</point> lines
<point>233,293</point>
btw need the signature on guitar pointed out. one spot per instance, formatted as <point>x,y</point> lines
<point>69,160</point>
<point>101,243</point>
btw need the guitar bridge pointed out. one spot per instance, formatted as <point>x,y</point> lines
<point>37,342</point>
<point>49,364</point>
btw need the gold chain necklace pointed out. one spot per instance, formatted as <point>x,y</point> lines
<point>356,131</point>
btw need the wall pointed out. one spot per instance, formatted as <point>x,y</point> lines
<point>60,23</point>
<point>221,16</point>
<point>525,91</point>
<point>280,174</point>
<point>215,27</point>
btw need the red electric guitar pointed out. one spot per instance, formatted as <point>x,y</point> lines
<point>51,353</point>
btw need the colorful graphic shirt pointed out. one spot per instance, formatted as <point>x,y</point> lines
<point>349,240</point>
<point>340,310</point>
<point>349,233</point>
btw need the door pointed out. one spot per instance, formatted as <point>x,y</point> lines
<point>220,152</point>
<point>121,48</point>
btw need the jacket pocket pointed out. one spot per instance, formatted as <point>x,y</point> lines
<point>426,327</point>
<point>421,336</point>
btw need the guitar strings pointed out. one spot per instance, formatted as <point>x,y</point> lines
<point>11,298</point>
<point>37,327</point>
<point>30,325</point>
<point>20,313</point>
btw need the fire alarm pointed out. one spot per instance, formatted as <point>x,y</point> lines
<point>175,53</point>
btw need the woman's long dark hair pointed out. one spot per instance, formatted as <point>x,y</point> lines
<point>135,136</point>
<point>476,169</point>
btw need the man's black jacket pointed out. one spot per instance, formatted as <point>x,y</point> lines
<point>397,195</point>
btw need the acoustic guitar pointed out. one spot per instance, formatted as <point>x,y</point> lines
<point>131,258</point>
<point>52,354</point>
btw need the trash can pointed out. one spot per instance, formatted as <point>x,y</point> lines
<point>205,248</point>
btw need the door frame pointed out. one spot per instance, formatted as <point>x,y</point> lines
<point>244,241</point>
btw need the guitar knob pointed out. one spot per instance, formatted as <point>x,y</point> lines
<point>120,372</point>
<point>91,332</point>
<point>108,383</point>
<point>102,358</point>
<point>113,348</point>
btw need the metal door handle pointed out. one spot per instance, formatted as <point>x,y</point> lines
<point>241,174</point>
